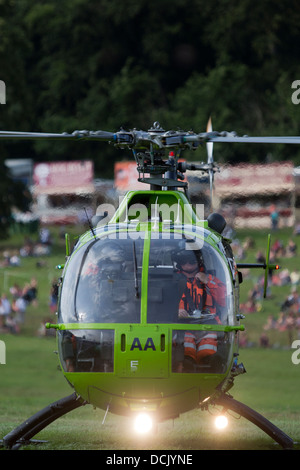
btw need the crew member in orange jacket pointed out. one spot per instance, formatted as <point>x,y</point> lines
<point>203,292</point>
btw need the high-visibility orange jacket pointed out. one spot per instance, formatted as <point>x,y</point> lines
<point>203,296</point>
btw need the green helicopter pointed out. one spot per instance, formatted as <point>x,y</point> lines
<point>148,318</point>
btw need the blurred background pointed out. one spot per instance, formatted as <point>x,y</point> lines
<point>106,64</point>
<point>89,64</point>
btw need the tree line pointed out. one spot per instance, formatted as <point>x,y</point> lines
<point>106,64</point>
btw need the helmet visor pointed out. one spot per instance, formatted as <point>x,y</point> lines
<point>187,257</point>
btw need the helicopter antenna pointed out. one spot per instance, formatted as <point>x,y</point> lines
<point>107,410</point>
<point>136,285</point>
<point>89,222</point>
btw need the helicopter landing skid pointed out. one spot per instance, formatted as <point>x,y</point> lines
<point>264,424</point>
<point>22,434</point>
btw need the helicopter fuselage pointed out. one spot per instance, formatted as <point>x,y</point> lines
<point>121,342</point>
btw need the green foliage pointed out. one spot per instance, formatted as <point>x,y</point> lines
<point>12,195</point>
<point>104,64</point>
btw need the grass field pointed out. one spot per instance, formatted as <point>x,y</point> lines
<point>30,379</point>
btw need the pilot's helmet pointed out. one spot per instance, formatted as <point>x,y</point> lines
<point>188,254</point>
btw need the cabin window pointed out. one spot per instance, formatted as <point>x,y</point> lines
<point>102,283</point>
<point>188,282</point>
<point>87,350</point>
<point>201,351</point>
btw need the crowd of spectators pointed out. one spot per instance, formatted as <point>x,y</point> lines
<point>15,302</point>
<point>277,250</point>
<point>287,319</point>
<point>13,307</point>
<point>39,248</point>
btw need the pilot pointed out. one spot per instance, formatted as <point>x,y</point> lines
<point>202,293</point>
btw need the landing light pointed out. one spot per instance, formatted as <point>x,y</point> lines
<point>221,422</point>
<point>143,423</point>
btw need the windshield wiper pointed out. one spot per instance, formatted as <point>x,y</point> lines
<point>136,284</point>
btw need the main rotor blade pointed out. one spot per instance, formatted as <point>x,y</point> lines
<point>76,135</point>
<point>137,138</point>
<point>259,140</point>
<point>231,137</point>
